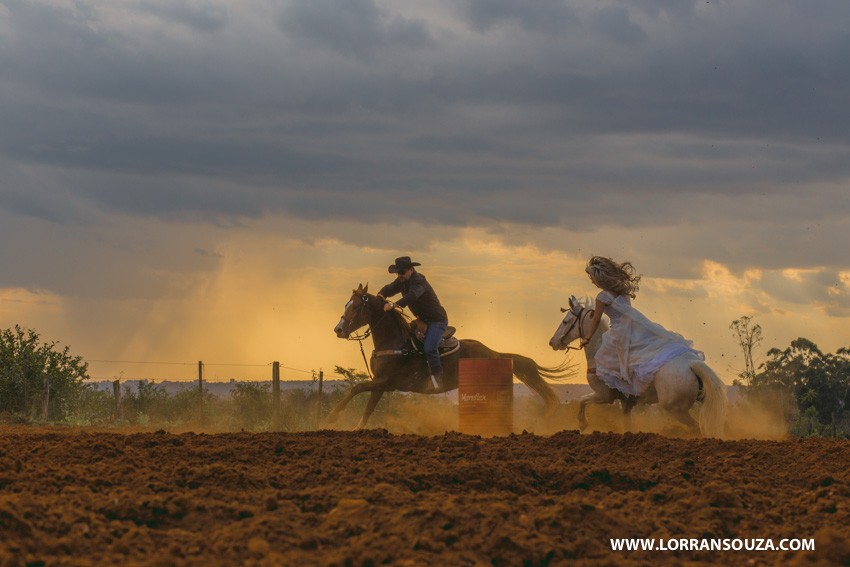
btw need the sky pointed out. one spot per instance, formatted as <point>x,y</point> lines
<point>208,180</point>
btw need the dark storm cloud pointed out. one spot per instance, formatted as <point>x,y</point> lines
<point>71,55</point>
<point>615,22</point>
<point>175,155</point>
<point>351,27</point>
<point>511,111</point>
<point>546,16</point>
<point>31,204</point>
<point>199,16</point>
<point>672,8</point>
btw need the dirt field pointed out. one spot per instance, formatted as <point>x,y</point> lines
<point>371,498</point>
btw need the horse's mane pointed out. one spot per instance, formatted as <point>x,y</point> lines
<point>588,302</point>
<point>401,319</point>
<point>403,322</point>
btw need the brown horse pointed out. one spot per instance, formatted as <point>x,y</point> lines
<point>396,367</point>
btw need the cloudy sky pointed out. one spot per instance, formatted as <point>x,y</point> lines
<point>208,180</point>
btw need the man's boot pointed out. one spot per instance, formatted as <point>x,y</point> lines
<point>436,381</point>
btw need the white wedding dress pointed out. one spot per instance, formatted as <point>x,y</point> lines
<point>634,348</point>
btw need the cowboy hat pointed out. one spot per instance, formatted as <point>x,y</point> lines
<point>402,264</point>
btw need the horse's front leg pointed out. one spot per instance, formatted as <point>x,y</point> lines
<point>356,389</point>
<point>374,398</point>
<point>594,398</point>
<point>628,403</point>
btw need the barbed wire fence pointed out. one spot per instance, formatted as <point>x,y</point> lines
<point>201,380</point>
<point>173,363</point>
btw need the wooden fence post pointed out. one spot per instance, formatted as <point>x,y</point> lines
<point>319,401</point>
<point>116,391</point>
<point>46,400</point>
<point>200,390</point>
<point>275,395</point>
<point>26,409</point>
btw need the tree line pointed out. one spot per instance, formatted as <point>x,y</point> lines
<point>809,386</point>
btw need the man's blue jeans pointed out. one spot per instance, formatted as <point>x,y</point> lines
<point>432,341</point>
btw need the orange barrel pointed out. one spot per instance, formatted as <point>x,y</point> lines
<point>485,396</point>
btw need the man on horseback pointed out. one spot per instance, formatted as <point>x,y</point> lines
<point>419,296</point>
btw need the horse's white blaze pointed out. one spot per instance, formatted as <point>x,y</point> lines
<point>559,338</point>
<point>341,324</point>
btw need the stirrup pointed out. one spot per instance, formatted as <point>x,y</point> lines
<point>434,383</point>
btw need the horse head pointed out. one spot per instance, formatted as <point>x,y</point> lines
<point>570,327</point>
<point>356,313</point>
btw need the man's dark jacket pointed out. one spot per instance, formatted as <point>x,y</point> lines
<point>417,294</point>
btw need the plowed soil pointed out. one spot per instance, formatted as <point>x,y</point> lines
<point>71,497</point>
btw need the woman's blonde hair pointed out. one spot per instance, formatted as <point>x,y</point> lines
<point>619,279</point>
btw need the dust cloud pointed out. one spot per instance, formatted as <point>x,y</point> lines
<point>436,415</point>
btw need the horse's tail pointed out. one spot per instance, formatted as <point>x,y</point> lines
<point>712,417</point>
<point>560,373</point>
<point>532,375</point>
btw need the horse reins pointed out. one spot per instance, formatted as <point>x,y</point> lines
<point>581,346</point>
<point>364,336</point>
<point>360,339</point>
<point>579,317</point>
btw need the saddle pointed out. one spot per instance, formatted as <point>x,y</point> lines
<point>449,344</point>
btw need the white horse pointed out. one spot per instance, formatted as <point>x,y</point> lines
<point>677,386</point>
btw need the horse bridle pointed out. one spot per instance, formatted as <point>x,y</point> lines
<point>364,299</point>
<point>368,332</point>
<point>579,317</point>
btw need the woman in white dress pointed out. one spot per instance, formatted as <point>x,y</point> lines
<point>634,348</point>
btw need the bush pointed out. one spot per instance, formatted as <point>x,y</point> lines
<point>29,369</point>
<point>251,406</point>
<point>148,400</point>
<point>92,407</point>
<point>811,387</point>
